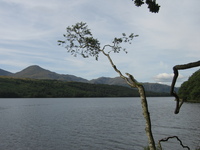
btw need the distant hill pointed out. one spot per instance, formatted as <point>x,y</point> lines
<point>36,72</point>
<point>109,81</point>
<point>190,90</point>
<point>5,73</point>
<point>154,87</point>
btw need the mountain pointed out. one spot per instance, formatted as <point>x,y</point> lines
<point>36,72</point>
<point>5,73</point>
<point>109,81</point>
<point>154,87</point>
<point>190,90</point>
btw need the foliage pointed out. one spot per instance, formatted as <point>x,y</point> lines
<point>86,45</point>
<point>33,88</point>
<point>79,41</point>
<point>189,90</point>
<point>152,5</point>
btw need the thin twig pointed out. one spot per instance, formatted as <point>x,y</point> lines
<point>171,137</point>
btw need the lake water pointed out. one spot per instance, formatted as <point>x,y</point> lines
<point>94,124</point>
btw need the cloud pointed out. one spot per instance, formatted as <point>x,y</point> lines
<point>165,77</point>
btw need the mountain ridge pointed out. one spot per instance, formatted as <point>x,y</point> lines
<point>37,72</point>
<point>4,73</point>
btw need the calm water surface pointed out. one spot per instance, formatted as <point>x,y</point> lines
<point>94,124</point>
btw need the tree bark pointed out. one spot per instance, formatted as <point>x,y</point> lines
<point>146,115</point>
<point>145,110</point>
<point>133,83</point>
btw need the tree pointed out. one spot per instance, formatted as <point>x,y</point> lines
<point>79,41</point>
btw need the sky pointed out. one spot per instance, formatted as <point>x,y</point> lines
<point>30,30</point>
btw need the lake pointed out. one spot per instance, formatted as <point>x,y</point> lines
<point>94,124</point>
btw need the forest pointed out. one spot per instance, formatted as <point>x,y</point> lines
<point>190,90</point>
<point>40,88</point>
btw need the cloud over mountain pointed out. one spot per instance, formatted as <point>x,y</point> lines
<point>165,77</point>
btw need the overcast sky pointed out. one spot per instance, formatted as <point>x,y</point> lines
<point>29,30</point>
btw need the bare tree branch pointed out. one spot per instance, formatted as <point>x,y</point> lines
<point>171,137</point>
<point>172,92</point>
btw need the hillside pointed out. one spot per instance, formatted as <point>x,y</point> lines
<point>154,87</point>
<point>5,73</point>
<point>109,81</point>
<point>34,88</point>
<point>190,90</point>
<point>36,72</point>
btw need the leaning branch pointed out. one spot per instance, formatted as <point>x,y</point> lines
<point>115,68</point>
<point>133,83</point>
<point>172,92</point>
<point>145,110</point>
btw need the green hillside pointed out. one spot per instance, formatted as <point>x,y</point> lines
<point>190,90</point>
<point>33,88</point>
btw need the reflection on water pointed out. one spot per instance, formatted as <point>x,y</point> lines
<point>93,124</point>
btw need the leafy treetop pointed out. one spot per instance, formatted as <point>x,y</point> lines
<point>80,41</point>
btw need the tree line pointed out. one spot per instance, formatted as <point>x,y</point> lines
<point>40,88</point>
